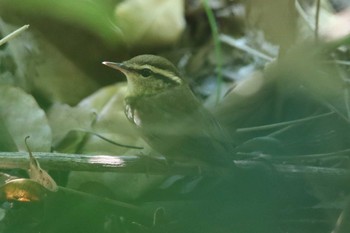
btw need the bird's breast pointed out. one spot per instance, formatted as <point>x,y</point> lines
<point>132,114</point>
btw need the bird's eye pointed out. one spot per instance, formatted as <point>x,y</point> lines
<point>145,73</point>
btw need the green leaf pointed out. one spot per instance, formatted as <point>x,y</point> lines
<point>22,117</point>
<point>91,15</point>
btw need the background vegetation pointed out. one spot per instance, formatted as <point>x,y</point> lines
<point>274,73</point>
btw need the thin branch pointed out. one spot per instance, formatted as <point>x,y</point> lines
<point>285,123</point>
<point>304,15</point>
<point>317,19</point>
<point>13,34</point>
<point>242,46</point>
<point>145,164</point>
<point>217,43</point>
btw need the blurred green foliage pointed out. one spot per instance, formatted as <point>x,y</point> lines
<point>94,16</point>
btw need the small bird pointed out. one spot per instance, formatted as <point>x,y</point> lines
<point>160,104</point>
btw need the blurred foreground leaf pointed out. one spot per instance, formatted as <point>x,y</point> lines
<point>94,16</point>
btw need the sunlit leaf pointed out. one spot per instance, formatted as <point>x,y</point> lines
<point>64,120</point>
<point>151,23</point>
<point>111,122</point>
<point>101,113</point>
<point>23,190</point>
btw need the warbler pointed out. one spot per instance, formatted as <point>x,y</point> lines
<point>169,117</point>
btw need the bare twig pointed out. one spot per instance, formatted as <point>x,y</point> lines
<point>13,34</point>
<point>242,46</point>
<point>144,164</point>
<point>285,123</point>
<point>317,19</point>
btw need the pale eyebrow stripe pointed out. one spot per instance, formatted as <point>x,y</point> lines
<point>166,74</point>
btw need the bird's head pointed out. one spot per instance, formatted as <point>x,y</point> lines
<point>148,74</point>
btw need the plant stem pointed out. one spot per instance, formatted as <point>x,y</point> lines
<point>217,44</point>
<point>13,34</point>
<point>148,165</point>
<point>317,19</point>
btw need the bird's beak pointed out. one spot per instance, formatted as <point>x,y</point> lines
<point>117,66</point>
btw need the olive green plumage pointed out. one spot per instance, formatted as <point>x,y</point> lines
<point>169,117</point>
